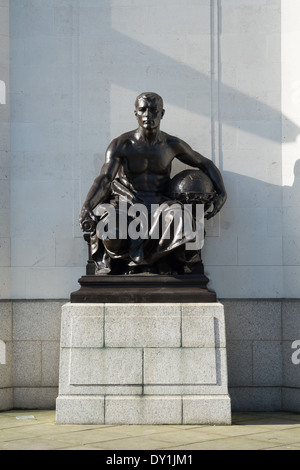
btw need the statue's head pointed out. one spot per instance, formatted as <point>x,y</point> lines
<point>149,110</point>
<point>149,95</point>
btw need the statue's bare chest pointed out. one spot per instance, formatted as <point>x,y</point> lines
<point>141,158</point>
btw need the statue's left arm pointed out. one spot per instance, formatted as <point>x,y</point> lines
<point>187,155</point>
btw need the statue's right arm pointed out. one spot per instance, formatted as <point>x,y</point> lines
<point>101,186</point>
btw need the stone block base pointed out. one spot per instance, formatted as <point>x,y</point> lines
<point>143,410</point>
<point>143,364</point>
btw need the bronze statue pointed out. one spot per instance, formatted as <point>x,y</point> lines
<point>137,172</point>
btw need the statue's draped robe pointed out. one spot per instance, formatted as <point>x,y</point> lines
<point>169,226</point>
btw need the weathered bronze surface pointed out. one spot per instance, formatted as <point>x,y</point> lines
<point>137,170</point>
<point>143,289</point>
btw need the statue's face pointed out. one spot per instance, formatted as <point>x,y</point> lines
<point>149,113</point>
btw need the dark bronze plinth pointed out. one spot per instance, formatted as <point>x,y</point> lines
<point>143,288</point>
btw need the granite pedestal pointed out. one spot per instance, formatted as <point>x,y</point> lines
<point>143,364</point>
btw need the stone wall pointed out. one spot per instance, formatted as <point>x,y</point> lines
<point>228,71</point>
<point>31,334</point>
<point>260,336</point>
<point>76,68</point>
<point>4,151</point>
<point>6,391</point>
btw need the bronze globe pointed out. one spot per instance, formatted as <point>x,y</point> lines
<point>190,186</point>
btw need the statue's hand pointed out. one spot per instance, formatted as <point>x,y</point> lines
<point>87,220</point>
<point>218,202</point>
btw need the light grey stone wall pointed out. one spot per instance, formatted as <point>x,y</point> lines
<point>260,335</point>
<point>219,66</point>
<point>69,102</point>
<point>6,382</point>
<point>230,78</point>
<point>4,151</point>
<point>245,261</point>
<point>290,92</point>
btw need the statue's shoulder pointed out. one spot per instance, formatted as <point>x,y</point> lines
<point>171,140</point>
<point>122,141</point>
<point>127,136</point>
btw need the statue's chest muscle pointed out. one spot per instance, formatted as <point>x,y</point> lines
<point>146,159</point>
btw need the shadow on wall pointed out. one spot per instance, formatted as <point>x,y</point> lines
<point>250,193</point>
<point>144,67</point>
<point>130,64</point>
<point>258,253</point>
<point>187,74</point>
<point>114,57</point>
<point>105,56</point>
